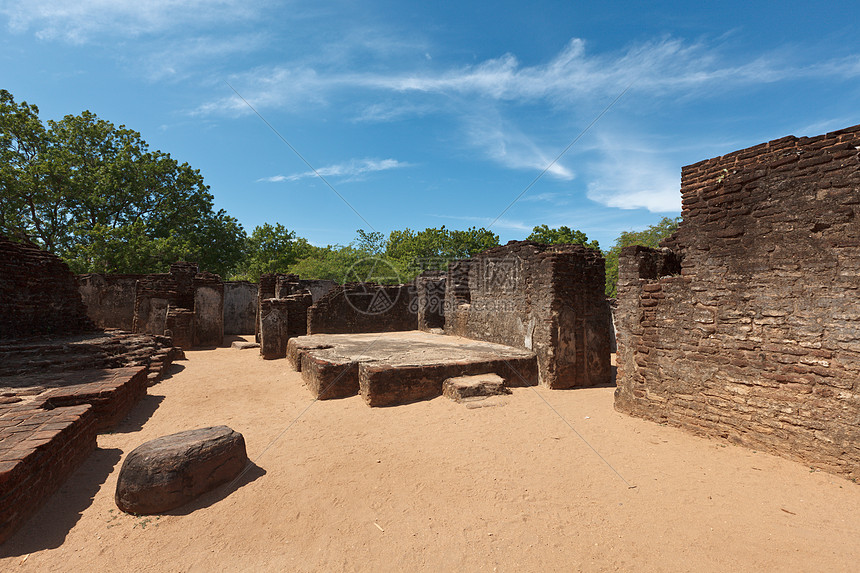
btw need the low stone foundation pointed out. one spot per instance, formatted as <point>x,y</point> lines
<point>39,450</point>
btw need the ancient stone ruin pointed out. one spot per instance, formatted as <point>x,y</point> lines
<point>525,312</point>
<point>38,294</point>
<point>185,304</point>
<point>746,325</point>
<point>547,299</point>
<point>284,300</point>
<point>61,380</point>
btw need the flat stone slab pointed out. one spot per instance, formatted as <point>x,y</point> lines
<point>474,387</point>
<point>401,367</point>
<point>243,345</point>
<point>167,472</point>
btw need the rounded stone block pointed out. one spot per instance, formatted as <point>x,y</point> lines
<point>167,472</point>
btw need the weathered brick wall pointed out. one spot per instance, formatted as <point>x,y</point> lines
<point>208,309</point>
<point>38,293</point>
<point>757,339</point>
<point>240,307</point>
<point>364,307</point>
<point>40,450</point>
<point>430,290</point>
<point>109,299</point>
<point>161,302</point>
<point>548,299</point>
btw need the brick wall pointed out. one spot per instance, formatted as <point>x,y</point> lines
<point>39,449</point>
<point>240,307</point>
<point>548,299</point>
<point>38,293</point>
<point>109,299</point>
<point>747,324</point>
<point>364,307</point>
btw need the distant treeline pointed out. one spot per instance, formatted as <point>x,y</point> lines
<point>97,196</point>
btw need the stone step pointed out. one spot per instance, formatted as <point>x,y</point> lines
<point>477,386</point>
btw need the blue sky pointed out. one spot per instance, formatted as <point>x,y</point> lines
<point>422,114</point>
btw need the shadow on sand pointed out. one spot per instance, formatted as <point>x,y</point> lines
<point>48,528</point>
<point>250,474</point>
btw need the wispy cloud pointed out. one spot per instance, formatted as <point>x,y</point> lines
<point>628,177</point>
<point>81,20</point>
<point>667,66</point>
<point>504,143</point>
<point>350,170</point>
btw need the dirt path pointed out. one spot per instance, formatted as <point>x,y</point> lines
<point>435,486</point>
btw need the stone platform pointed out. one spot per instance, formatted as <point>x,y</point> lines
<point>39,449</point>
<point>56,394</point>
<point>394,368</point>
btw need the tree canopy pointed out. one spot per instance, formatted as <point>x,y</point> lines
<point>96,195</point>
<point>562,235</point>
<point>649,237</point>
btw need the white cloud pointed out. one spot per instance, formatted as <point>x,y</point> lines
<point>504,143</point>
<point>627,177</point>
<point>80,20</point>
<point>350,170</point>
<point>668,66</point>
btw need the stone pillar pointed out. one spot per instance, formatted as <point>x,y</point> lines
<point>179,326</point>
<point>273,328</point>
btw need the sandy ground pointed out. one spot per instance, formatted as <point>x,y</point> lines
<point>437,486</point>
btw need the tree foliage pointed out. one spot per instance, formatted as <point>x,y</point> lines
<point>273,248</point>
<point>649,237</point>
<point>96,195</point>
<point>562,235</point>
<point>431,249</point>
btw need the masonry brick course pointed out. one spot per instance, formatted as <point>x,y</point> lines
<point>746,325</point>
<point>38,293</point>
<point>548,299</point>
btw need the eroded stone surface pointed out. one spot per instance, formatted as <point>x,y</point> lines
<point>478,386</point>
<point>400,367</point>
<point>745,324</point>
<point>168,472</point>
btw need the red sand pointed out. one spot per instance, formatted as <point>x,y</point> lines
<point>437,486</point>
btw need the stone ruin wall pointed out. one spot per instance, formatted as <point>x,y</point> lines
<point>187,304</point>
<point>746,325</point>
<point>548,299</point>
<point>240,307</point>
<point>364,307</point>
<point>38,294</point>
<point>109,299</point>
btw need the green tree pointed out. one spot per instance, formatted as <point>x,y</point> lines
<point>414,251</point>
<point>96,195</point>
<point>649,237</point>
<point>273,248</point>
<point>562,235</point>
<point>372,243</point>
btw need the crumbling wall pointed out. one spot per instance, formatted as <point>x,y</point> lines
<point>184,303</point>
<point>38,293</point>
<point>208,310</point>
<point>109,299</point>
<point>240,307</point>
<point>548,299</point>
<point>364,307</point>
<point>430,289</point>
<point>757,339</point>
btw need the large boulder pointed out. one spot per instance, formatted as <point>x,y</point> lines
<point>167,472</point>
